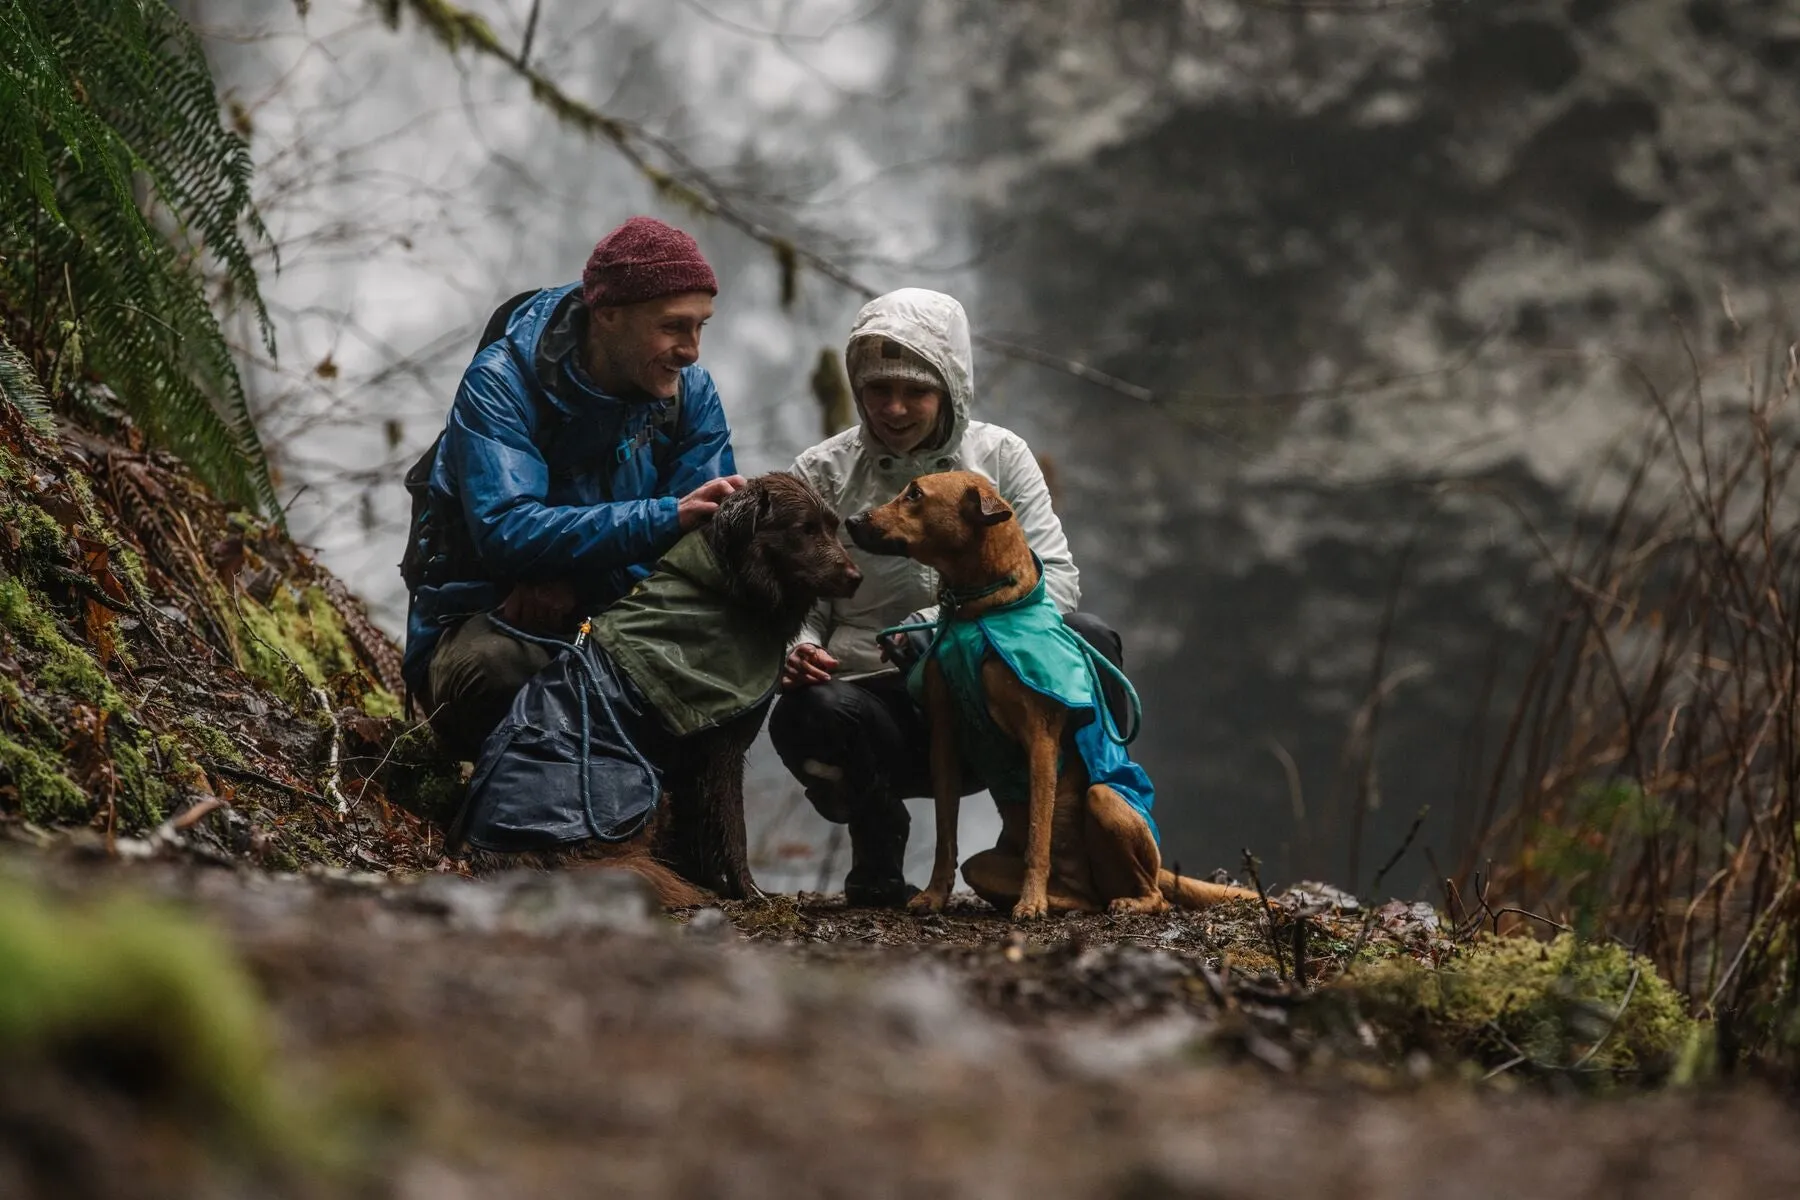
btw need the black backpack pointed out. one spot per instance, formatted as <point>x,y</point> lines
<point>440,551</point>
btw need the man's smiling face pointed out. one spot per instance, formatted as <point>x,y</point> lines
<point>645,346</point>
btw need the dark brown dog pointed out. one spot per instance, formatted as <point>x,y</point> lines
<point>1081,848</point>
<point>778,544</point>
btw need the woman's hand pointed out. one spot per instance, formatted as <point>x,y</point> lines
<point>807,664</point>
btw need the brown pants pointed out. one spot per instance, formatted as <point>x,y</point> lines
<point>476,671</point>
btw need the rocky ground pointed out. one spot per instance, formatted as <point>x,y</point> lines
<point>534,1035</point>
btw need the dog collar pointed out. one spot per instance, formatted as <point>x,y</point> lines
<point>955,598</point>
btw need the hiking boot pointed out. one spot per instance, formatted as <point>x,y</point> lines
<point>877,851</point>
<point>886,893</point>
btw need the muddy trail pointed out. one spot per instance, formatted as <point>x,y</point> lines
<point>542,1035</point>
<point>234,962</point>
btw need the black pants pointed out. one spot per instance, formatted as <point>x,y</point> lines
<point>861,748</point>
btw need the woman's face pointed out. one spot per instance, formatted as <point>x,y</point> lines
<point>901,414</point>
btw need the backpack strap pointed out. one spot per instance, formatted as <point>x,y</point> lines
<point>495,329</point>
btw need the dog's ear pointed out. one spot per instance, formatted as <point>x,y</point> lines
<point>982,508</point>
<point>765,506</point>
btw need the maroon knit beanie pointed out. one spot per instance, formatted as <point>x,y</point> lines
<point>642,260</point>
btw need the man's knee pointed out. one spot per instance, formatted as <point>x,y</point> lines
<point>475,673</point>
<point>1099,635</point>
<point>476,657</point>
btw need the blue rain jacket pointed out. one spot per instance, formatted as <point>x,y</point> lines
<point>558,482</point>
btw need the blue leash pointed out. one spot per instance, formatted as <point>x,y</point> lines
<point>558,645</point>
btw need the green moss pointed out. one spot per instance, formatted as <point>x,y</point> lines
<point>1557,1003</point>
<point>46,795</point>
<point>379,702</point>
<point>777,918</point>
<point>45,791</point>
<point>67,667</point>
<point>212,742</point>
<point>91,515</point>
<point>279,859</point>
<point>130,569</point>
<point>294,632</point>
<point>143,798</point>
<point>42,542</point>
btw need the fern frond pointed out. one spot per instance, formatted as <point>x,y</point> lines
<point>21,388</point>
<point>132,190</point>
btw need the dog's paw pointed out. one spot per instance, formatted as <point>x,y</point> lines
<point>1031,910</point>
<point>928,901</point>
<point>1125,906</point>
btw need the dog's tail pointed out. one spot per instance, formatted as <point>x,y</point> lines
<point>671,889</point>
<point>1186,892</point>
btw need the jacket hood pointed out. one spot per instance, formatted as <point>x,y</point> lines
<point>547,333</point>
<point>935,327</point>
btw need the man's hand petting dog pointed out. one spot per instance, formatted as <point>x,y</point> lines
<point>698,506</point>
<point>539,607</point>
<point>807,664</point>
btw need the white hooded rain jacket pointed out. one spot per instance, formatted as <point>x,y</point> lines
<point>853,471</point>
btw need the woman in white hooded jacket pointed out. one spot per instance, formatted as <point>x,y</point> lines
<point>845,725</point>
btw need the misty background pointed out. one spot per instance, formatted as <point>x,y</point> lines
<point>1377,293</point>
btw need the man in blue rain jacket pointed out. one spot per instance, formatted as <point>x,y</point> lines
<point>583,442</point>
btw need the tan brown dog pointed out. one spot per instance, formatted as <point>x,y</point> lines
<point>1075,847</point>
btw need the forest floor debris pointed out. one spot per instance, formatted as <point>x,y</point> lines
<point>532,1035</point>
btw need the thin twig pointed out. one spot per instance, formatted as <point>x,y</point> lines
<point>1368,922</point>
<point>191,816</point>
<point>236,772</point>
<point>531,24</point>
<point>1613,1024</point>
<point>392,746</point>
<point>1268,913</point>
<point>1405,843</point>
<point>1500,912</point>
<point>333,768</point>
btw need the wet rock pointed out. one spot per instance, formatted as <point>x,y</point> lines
<point>544,904</point>
<point>709,924</point>
<point>1311,898</point>
<point>1100,1052</point>
<point>928,1008</point>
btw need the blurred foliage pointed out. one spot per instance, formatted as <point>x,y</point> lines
<point>145,986</point>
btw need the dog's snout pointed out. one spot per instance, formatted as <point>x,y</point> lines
<point>852,578</point>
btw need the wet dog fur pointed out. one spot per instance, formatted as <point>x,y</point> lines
<point>777,542</point>
<point>1074,847</point>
